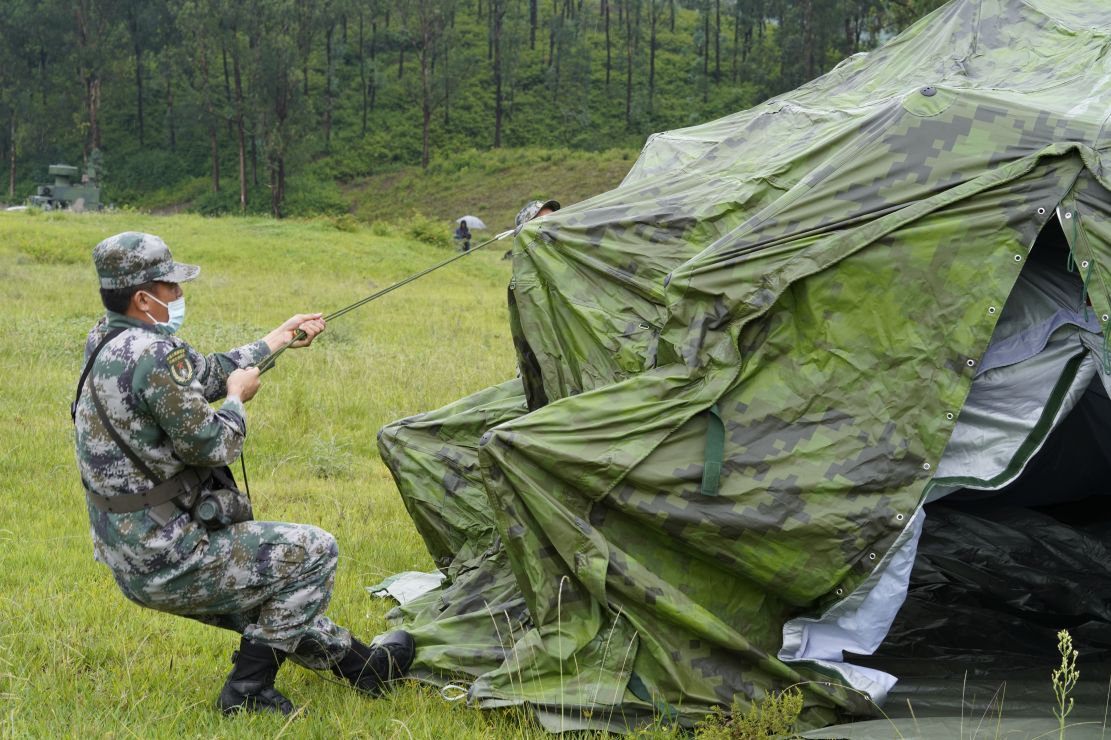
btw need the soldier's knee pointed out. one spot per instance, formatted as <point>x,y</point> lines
<point>321,546</point>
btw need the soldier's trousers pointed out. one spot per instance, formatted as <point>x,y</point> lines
<point>269,581</point>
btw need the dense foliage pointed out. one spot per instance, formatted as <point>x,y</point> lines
<point>267,99</point>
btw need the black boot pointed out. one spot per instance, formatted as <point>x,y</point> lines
<point>250,685</point>
<point>369,669</point>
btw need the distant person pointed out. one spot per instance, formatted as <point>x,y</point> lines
<point>533,209</point>
<point>164,513</point>
<point>463,235</point>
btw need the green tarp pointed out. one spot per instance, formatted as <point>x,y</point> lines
<point>825,270</point>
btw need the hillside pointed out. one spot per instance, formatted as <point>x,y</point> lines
<point>290,105</point>
<point>491,185</point>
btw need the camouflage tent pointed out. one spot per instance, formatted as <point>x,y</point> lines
<point>745,371</point>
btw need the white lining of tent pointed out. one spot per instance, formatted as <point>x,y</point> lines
<point>1044,325</point>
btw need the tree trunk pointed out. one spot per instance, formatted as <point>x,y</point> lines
<point>672,4</point>
<point>717,40</point>
<point>362,73</point>
<point>139,88</point>
<point>373,83</point>
<point>736,42</point>
<point>532,18</point>
<point>606,14</point>
<point>808,35</point>
<point>447,87</point>
<point>277,184</point>
<point>215,150</point>
<point>281,186</point>
<point>170,108</point>
<point>227,82</point>
<point>42,75</point>
<point>495,39</point>
<point>11,158</point>
<point>705,51</point>
<point>552,33</point>
<point>92,98</point>
<point>401,59</point>
<point>241,132</point>
<point>654,14</point>
<point>426,108</point>
<point>629,41</point>
<point>557,56</point>
<point>328,88</point>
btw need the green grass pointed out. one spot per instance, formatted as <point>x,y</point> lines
<point>77,659</point>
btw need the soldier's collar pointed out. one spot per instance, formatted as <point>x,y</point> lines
<point>123,321</point>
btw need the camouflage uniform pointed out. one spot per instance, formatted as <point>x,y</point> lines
<point>270,581</point>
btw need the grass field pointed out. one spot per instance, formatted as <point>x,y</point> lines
<point>76,659</point>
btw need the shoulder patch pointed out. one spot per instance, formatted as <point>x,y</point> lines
<point>180,366</point>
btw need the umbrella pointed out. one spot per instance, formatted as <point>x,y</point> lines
<point>473,222</point>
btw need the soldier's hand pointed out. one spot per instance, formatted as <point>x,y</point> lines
<point>310,323</point>
<point>244,383</point>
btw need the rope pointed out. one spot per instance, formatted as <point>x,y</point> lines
<point>268,363</point>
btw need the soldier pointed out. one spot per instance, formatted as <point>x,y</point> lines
<point>535,209</point>
<point>164,513</point>
<point>532,209</point>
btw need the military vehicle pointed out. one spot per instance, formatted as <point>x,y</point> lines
<point>64,192</point>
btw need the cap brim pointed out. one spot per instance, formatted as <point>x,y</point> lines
<point>553,204</point>
<point>181,273</point>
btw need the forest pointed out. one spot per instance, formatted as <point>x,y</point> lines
<point>262,106</point>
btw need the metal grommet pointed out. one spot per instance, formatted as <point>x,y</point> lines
<point>925,466</point>
<point>898,517</point>
<point>1105,317</point>
<point>949,416</point>
<point>644,326</point>
<point>1084,264</point>
<point>871,556</point>
<point>1041,211</point>
<point>1068,214</point>
<point>1018,258</point>
<point>970,363</point>
<point>991,309</point>
<point>839,591</point>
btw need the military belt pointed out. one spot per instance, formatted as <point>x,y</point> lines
<point>182,485</point>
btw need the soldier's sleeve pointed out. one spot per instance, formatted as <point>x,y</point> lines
<point>213,370</point>
<point>168,386</point>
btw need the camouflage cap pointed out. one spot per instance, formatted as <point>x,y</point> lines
<point>532,208</point>
<point>134,258</point>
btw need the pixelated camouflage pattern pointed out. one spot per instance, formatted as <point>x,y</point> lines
<point>434,459</point>
<point>827,269</point>
<point>529,210</point>
<point>134,258</point>
<point>268,580</point>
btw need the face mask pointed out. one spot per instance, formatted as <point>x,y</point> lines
<point>176,317</point>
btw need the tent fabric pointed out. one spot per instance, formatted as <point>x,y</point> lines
<point>1029,375</point>
<point>827,268</point>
